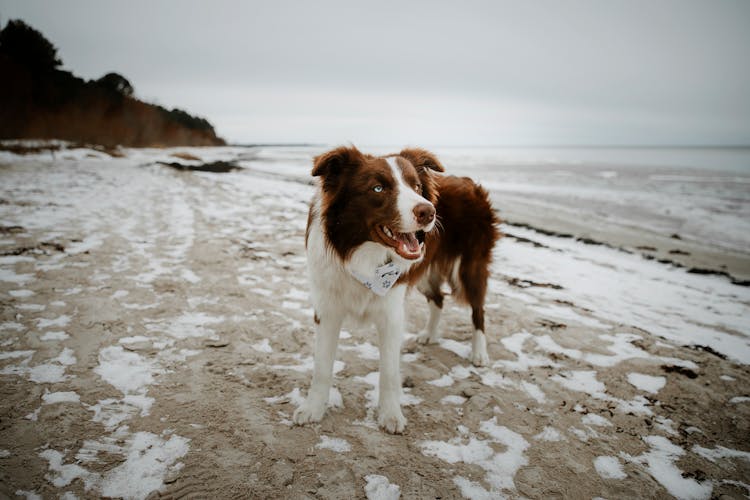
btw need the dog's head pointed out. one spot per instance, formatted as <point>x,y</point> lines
<point>387,200</point>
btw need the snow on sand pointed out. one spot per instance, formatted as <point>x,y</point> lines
<point>163,344</point>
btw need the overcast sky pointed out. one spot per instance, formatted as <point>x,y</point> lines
<point>429,73</point>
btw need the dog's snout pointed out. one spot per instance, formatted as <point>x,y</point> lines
<point>424,213</point>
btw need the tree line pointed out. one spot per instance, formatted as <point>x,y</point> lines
<point>38,100</point>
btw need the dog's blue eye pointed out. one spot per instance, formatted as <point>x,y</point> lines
<point>378,188</point>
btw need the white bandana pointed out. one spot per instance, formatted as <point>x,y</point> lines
<point>381,280</point>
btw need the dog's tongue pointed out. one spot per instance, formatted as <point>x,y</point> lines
<point>409,243</point>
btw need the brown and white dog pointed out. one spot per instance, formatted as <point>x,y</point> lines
<point>376,226</point>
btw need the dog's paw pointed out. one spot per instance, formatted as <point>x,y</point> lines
<point>479,359</point>
<point>479,356</point>
<point>308,413</point>
<point>426,338</point>
<point>393,421</point>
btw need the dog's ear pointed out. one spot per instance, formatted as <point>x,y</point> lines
<point>422,159</point>
<point>425,162</point>
<point>335,160</point>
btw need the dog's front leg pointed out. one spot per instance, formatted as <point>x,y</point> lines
<point>390,330</point>
<point>326,341</point>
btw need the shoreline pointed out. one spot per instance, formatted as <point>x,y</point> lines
<point>666,249</point>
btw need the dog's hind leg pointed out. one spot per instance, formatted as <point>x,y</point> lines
<point>326,340</point>
<point>474,288</point>
<point>429,286</point>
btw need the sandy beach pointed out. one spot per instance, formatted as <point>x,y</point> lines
<point>156,338</point>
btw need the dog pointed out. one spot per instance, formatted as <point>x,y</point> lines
<point>376,227</point>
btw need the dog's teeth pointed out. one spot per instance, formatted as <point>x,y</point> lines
<point>388,232</point>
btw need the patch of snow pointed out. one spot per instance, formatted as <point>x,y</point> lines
<point>549,434</point>
<point>585,381</point>
<point>647,383</point>
<point>64,474</point>
<point>739,399</point>
<point>568,314</point>
<point>335,400</point>
<point>189,325</point>
<point>453,399</point>
<point>620,345</point>
<point>581,381</point>
<point>500,468</point>
<point>31,307</point>
<point>444,381</point>
<point>128,371</point>
<point>60,397</point>
<point>295,397</point>
<point>660,462</point>
<point>60,321</point>
<point>594,419</point>
<point>380,488</point>
<point>28,494</point>
<point>462,349</point>
<point>624,288</point>
<point>47,374</point>
<point>65,357</point>
<point>307,363</point>
<point>54,335</point>
<point>262,346</point>
<point>112,412</point>
<point>20,293</point>
<point>720,452</point>
<point>409,357</point>
<point>609,468</point>
<point>134,339</point>
<point>583,435</point>
<point>15,354</point>
<point>334,444</point>
<point>189,276</point>
<point>148,460</point>
<point>9,276</point>
<point>372,395</point>
<point>297,295</point>
<point>665,424</point>
<point>473,490</point>
<point>534,391</point>
<point>11,325</point>
<point>364,350</point>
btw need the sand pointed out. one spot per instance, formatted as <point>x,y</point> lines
<point>156,337</point>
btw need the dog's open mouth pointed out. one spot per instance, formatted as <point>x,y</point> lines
<point>407,245</point>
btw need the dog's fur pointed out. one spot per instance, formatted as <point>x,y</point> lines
<point>367,212</point>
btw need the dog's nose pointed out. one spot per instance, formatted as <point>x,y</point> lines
<point>424,212</point>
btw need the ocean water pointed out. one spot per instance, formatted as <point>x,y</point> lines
<point>700,194</point>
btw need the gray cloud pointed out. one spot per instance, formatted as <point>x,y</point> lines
<point>425,72</point>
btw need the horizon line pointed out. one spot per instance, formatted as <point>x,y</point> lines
<point>502,146</point>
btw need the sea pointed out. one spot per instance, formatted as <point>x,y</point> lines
<point>696,194</point>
